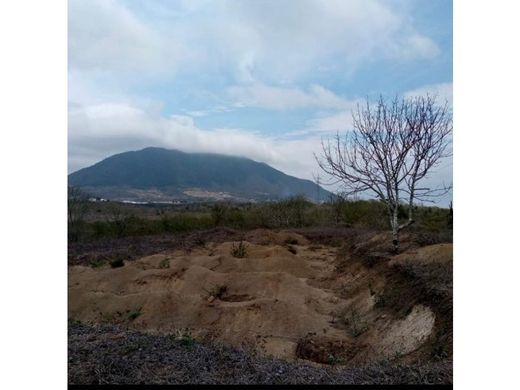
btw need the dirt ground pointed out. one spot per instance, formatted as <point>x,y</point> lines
<point>108,354</point>
<point>287,297</point>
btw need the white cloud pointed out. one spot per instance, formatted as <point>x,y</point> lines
<point>416,45</point>
<point>341,121</point>
<point>101,130</point>
<point>104,36</point>
<point>292,38</point>
<point>442,91</point>
<point>98,129</point>
<point>209,111</point>
<point>266,40</point>
<point>280,98</point>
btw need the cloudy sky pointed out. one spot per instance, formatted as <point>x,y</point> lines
<point>265,79</point>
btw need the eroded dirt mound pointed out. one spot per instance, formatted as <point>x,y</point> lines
<point>281,296</point>
<point>403,336</point>
<point>261,300</point>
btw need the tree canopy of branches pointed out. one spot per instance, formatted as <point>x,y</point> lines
<point>391,148</point>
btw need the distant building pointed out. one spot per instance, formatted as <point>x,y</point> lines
<point>97,199</point>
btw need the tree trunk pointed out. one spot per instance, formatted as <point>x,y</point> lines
<point>395,231</point>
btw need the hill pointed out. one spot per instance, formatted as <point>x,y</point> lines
<point>157,174</point>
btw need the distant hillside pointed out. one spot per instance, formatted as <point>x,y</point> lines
<point>156,174</point>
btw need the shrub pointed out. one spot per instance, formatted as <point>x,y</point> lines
<point>333,360</point>
<point>431,238</point>
<point>133,314</point>
<point>100,229</point>
<point>96,263</point>
<point>218,213</point>
<point>184,337</point>
<point>296,212</point>
<point>239,251</point>
<point>433,219</point>
<point>117,263</point>
<point>165,263</point>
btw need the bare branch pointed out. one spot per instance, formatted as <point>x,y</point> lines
<point>392,147</point>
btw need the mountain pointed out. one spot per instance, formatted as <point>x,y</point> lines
<point>156,174</point>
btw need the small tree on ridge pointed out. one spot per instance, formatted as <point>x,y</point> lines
<point>390,150</point>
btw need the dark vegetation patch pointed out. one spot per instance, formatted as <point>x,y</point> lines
<point>100,233</point>
<point>335,236</point>
<point>117,263</point>
<point>165,263</point>
<point>106,354</point>
<point>425,238</point>
<point>99,252</point>
<point>94,221</point>
<point>326,350</point>
<point>133,314</point>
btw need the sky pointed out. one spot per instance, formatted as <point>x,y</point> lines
<point>264,79</point>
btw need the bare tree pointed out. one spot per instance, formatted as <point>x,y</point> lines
<point>77,207</point>
<point>391,148</point>
<point>118,215</point>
